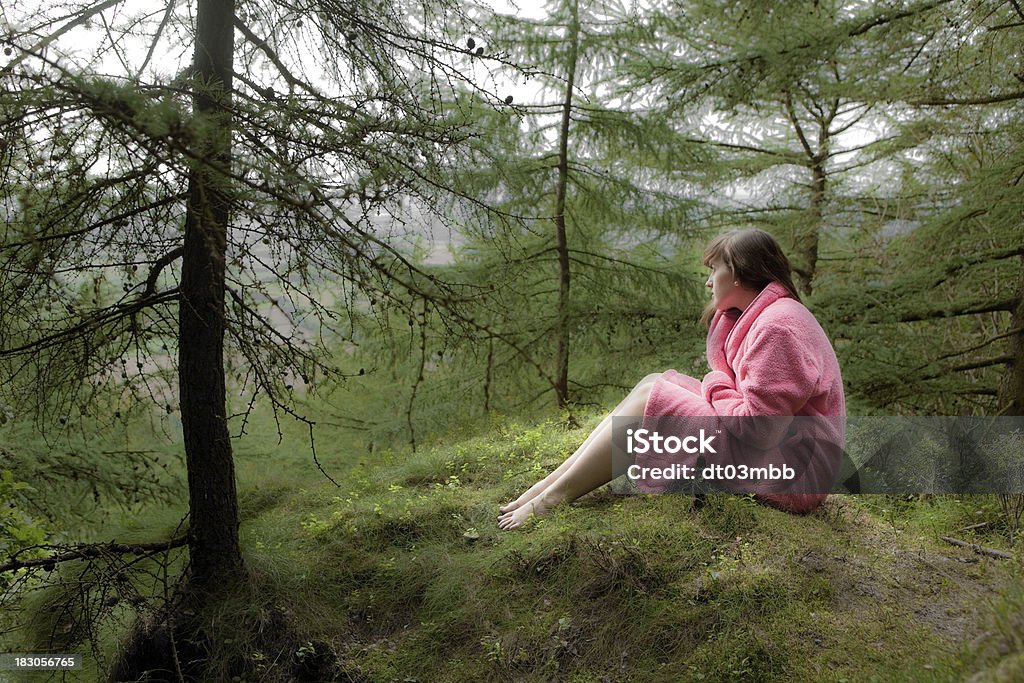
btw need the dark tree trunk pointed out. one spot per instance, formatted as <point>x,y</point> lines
<point>488,376</point>
<point>1011,390</point>
<point>561,240</point>
<point>213,506</point>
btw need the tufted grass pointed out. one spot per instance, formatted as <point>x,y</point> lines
<point>399,573</point>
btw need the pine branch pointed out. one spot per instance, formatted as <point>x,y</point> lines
<point>955,311</point>
<point>78,20</point>
<point>951,101</point>
<point>1017,8</point>
<point>780,153</point>
<point>791,114</point>
<point>161,263</point>
<point>629,264</point>
<point>92,323</point>
<point>88,551</point>
<point>990,340</point>
<point>125,215</point>
<point>1005,359</point>
<point>911,288</point>
<point>883,19</point>
<point>168,13</point>
<point>272,55</point>
<point>851,30</point>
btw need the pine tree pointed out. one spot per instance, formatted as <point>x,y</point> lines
<point>775,90</point>
<point>945,296</point>
<point>189,228</point>
<point>585,219</point>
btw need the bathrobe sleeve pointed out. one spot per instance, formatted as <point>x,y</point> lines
<point>775,375</point>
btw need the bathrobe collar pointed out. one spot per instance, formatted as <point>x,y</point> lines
<point>729,328</point>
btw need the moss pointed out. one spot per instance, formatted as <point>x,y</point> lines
<point>400,574</point>
<point>623,587</point>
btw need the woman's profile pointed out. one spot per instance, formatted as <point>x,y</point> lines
<point>769,358</point>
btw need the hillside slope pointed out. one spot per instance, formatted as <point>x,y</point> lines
<point>400,574</point>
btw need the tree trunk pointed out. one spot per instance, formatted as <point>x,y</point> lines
<point>488,375</point>
<point>213,506</point>
<point>562,246</point>
<point>1011,390</point>
<point>808,234</point>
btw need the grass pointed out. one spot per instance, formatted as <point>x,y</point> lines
<point>400,574</point>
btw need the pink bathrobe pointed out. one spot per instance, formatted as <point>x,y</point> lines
<point>772,360</point>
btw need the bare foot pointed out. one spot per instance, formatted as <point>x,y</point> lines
<point>516,504</point>
<point>529,495</point>
<point>514,519</point>
<point>510,506</point>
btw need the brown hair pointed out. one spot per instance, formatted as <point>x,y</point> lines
<point>755,259</point>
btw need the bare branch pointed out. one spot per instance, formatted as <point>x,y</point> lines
<point>92,323</point>
<point>156,38</point>
<point>78,20</point>
<point>966,101</point>
<point>88,551</point>
<point>154,273</point>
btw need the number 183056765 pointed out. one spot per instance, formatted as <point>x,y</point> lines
<point>26,662</point>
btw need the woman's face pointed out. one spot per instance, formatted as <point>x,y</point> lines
<point>725,291</point>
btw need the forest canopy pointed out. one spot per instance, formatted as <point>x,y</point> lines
<point>381,222</point>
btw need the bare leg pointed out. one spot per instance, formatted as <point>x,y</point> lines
<point>625,408</point>
<point>588,468</point>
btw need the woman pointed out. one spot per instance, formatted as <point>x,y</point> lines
<point>768,357</point>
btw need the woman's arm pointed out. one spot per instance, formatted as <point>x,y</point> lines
<point>775,376</point>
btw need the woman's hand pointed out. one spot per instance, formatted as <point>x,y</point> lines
<point>718,332</point>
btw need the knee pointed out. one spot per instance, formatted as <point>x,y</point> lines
<point>647,382</point>
<point>643,389</point>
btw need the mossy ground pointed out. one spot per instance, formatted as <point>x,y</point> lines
<point>400,574</point>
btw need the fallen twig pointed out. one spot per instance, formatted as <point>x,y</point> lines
<point>980,549</point>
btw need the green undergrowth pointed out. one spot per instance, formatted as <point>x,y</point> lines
<point>397,572</point>
<point>400,574</point>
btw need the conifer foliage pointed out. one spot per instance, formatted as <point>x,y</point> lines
<point>587,204</point>
<point>879,143</point>
<point>191,200</point>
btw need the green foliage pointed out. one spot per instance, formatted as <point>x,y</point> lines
<point>624,220</point>
<point>23,530</point>
<point>18,530</point>
<point>880,142</point>
<point>98,472</point>
<point>401,573</point>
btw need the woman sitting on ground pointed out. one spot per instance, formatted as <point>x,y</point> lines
<point>768,357</point>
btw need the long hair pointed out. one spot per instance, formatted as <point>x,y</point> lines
<point>755,259</point>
